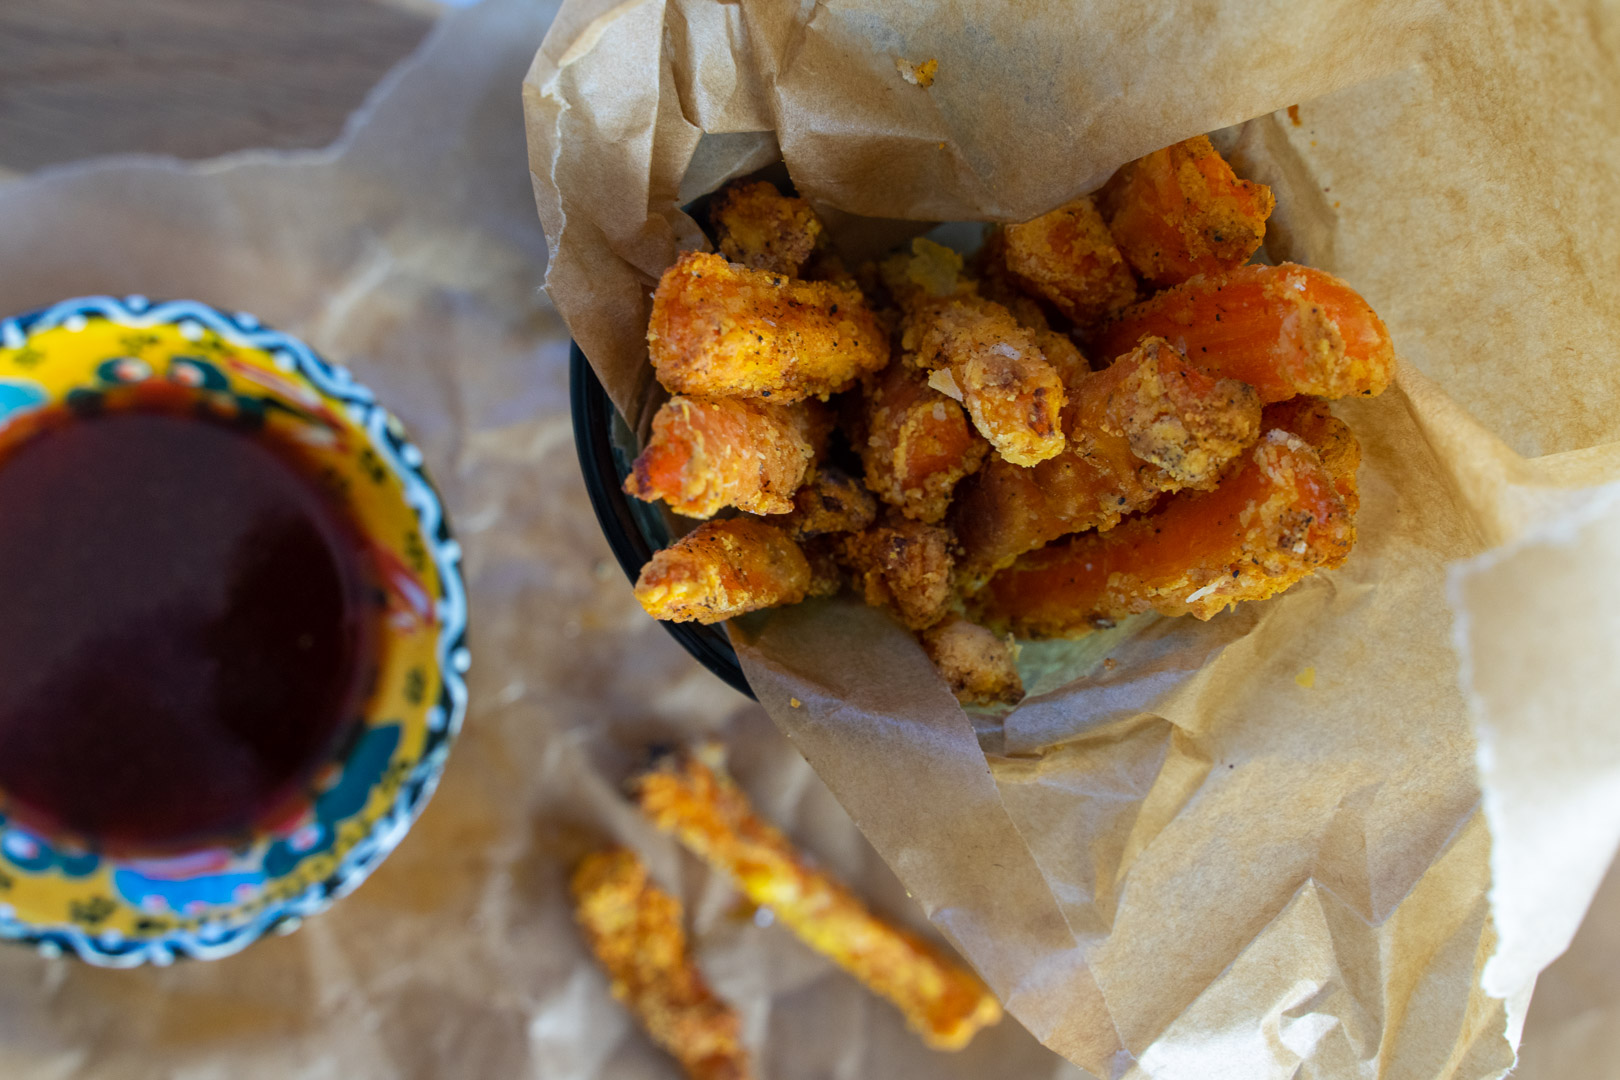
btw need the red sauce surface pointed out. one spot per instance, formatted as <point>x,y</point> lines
<point>187,629</point>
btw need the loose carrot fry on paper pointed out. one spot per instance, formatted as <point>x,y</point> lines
<point>1277,518</point>
<point>1181,211</point>
<point>723,330</point>
<point>722,569</point>
<point>1285,330</point>
<point>711,816</point>
<point>634,928</point>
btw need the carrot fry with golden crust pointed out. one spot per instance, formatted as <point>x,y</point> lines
<point>1148,424</point>
<point>1276,519</point>
<point>832,502</point>
<point>1330,437</point>
<point>1068,257</point>
<point>1284,330</point>
<point>634,928</point>
<point>915,442</point>
<point>722,569</point>
<point>1013,395</point>
<point>707,812</point>
<point>904,566</point>
<point>759,227</point>
<point>827,577</point>
<point>979,667</point>
<point>995,282</point>
<point>1181,211</point>
<point>995,364</point>
<point>709,453</point>
<point>722,330</point>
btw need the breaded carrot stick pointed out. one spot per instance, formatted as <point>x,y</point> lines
<point>706,811</point>
<point>1148,424</point>
<point>996,366</point>
<point>1285,330</point>
<point>722,330</point>
<point>1181,211</point>
<point>831,502</point>
<point>759,227</point>
<point>904,566</point>
<point>1276,519</point>
<point>1013,395</point>
<point>709,453</point>
<point>1068,257</point>
<point>915,442</point>
<point>722,569</point>
<point>1332,440</point>
<point>634,928</point>
<point>979,667</point>
<point>995,282</point>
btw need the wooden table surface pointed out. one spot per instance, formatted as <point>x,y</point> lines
<point>193,78</point>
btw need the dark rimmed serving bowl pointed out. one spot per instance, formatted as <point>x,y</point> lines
<point>607,448</point>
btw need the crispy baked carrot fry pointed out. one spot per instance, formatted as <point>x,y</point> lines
<point>995,282</point>
<point>722,569</point>
<point>1013,395</point>
<point>709,453</point>
<point>915,442</point>
<point>827,576</point>
<point>706,811</point>
<point>979,667</point>
<point>722,330</point>
<point>634,928</point>
<point>1181,211</point>
<point>904,566</point>
<point>1148,424</point>
<point>996,366</point>
<point>759,227</point>
<point>1068,257</point>
<point>1270,523</point>
<point>1284,330</point>
<point>831,502</point>
<point>1330,437</point>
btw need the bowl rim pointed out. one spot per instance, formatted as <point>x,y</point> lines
<point>605,470</point>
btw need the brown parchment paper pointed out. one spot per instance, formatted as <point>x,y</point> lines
<point>1335,834</point>
<point>410,251</point>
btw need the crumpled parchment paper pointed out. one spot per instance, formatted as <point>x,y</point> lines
<point>410,251</point>
<point>1335,834</point>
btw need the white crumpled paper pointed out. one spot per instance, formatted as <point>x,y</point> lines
<point>410,251</point>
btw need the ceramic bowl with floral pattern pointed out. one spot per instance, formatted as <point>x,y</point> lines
<point>121,911</point>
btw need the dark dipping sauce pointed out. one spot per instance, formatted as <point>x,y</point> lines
<point>187,630</point>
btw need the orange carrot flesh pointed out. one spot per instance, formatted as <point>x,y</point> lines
<point>1181,211</point>
<point>1274,520</point>
<point>1285,330</point>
